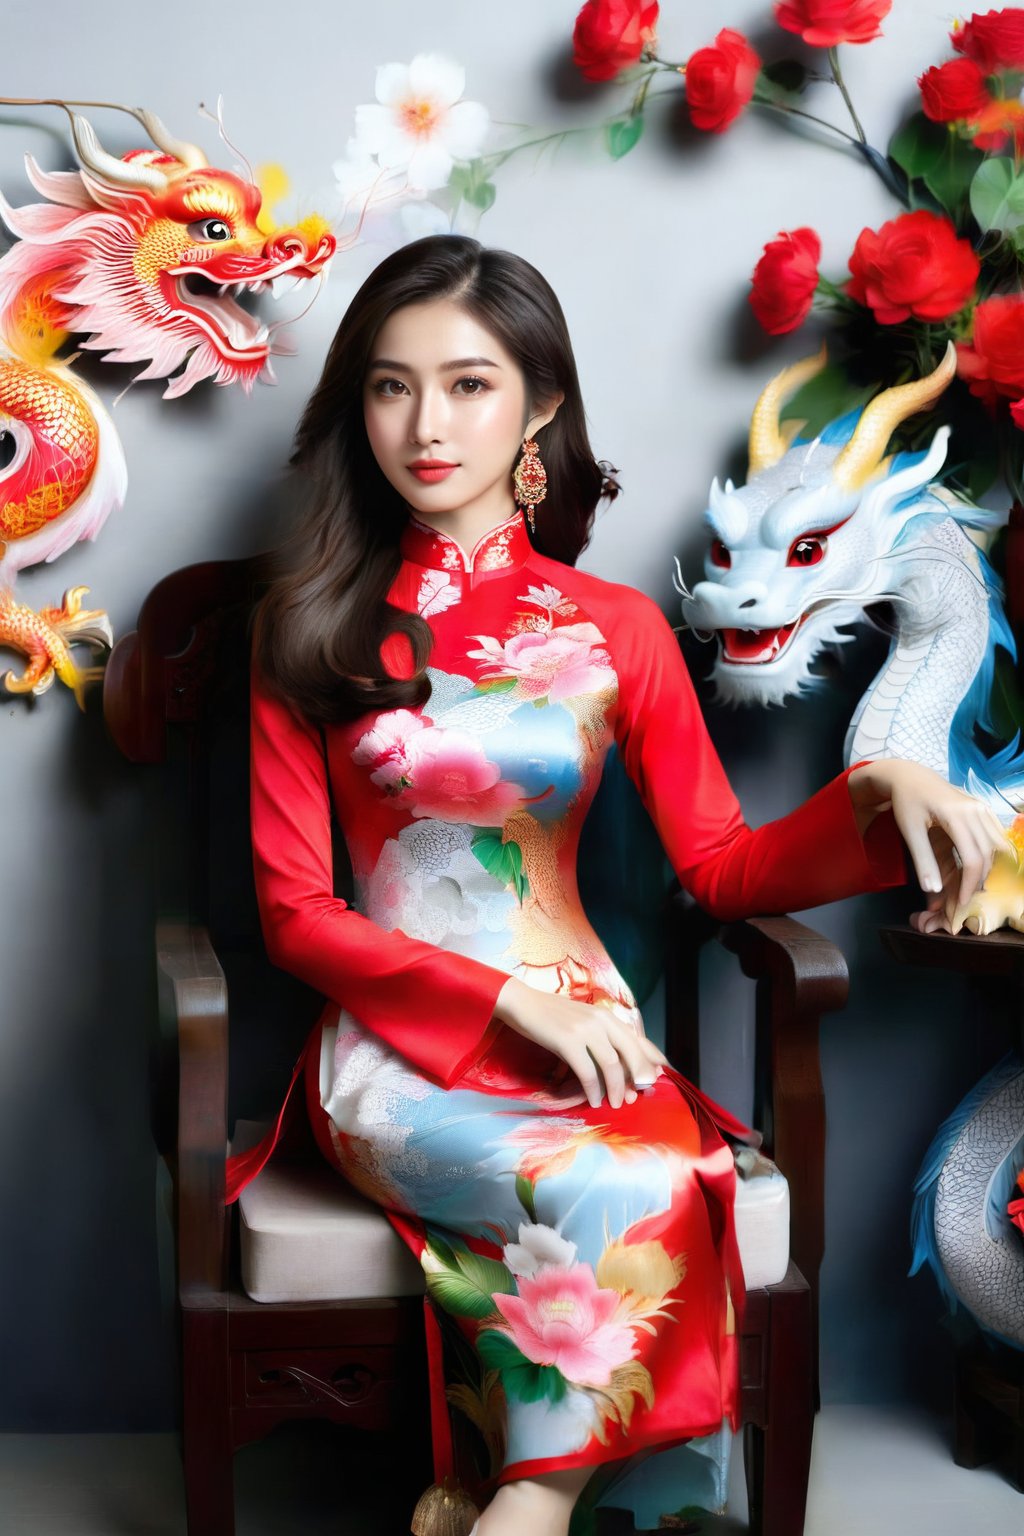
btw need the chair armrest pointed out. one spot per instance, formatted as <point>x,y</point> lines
<point>799,975</point>
<point>809,969</point>
<point>193,987</point>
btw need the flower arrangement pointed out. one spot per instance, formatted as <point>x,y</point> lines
<point>946,267</point>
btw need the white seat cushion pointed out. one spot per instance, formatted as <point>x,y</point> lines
<point>306,1235</point>
<point>762,1227</point>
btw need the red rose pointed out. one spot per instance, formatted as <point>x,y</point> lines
<point>610,35</point>
<point>913,265</point>
<point>826,23</point>
<point>720,80</point>
<point>993,361</point>
<point>784,280</point>
<point>954,91</point>
<point>994,41</point>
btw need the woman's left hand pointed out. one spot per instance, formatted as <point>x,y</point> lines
<point>952,837</point>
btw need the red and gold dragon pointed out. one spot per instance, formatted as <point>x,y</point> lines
<point>142,258</point>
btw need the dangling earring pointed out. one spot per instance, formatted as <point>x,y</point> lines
<point>530,480</point>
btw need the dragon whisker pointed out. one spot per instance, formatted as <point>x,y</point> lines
<point>277,325</point>
<point>677,580</point>
<point>218,118</point>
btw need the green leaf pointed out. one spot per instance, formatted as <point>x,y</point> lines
<point>496,685</point>
<point>486,1274</point>
<point>469,1281</point>
<point>788,75</point>
<point>461,179</point>
<point>534,1382</point>
<point>917,144</point>
<point>524,1194</point>
<point>502,860</point>
<point>440,1250</point>
<point>521,1378</point>
<point>458,1295</point>
<point>826,398</point>
<point>950,177</point>
<point>498,1352</point>
<point>481,194</point>
<point>938,156</point>
<point>623,134</point>
<point>997,195</point>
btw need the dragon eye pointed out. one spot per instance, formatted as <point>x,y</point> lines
<point>210,229</point>
<point>720,554</point>
<point>8,448</point>
<point>809,551</point>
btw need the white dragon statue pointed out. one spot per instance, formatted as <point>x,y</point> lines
<point>823,529</point>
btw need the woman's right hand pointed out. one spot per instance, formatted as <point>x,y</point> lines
<point>605,1054</point>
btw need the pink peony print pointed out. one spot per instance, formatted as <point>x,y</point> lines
<point>389,746</point>
<point>436,772</point>
<point>558,663</point>
<point>562,1318</point>
<point>452,779</point>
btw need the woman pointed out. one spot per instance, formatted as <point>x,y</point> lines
<point>433,662</point>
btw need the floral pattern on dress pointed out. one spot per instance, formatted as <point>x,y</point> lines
<point>545,659</point>
<point>551,1326</point>
<point>435,771</point>
<point>437,592</point>
<point>430,882</point>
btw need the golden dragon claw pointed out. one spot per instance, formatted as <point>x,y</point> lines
<point>1000,902</point>
<point>46,638</point>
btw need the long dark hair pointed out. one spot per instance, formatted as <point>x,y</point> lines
<point>319,629</point>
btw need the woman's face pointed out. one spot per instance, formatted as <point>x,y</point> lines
<point>442,391</point>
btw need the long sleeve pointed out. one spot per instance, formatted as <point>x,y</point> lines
<point>433,1006</point>
<point>815,854</point>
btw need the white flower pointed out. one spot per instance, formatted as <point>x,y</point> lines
<point>538,1246</point>
<point>362,182</point>
<point>419,124</point>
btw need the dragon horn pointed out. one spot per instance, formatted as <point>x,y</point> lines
<point>107,167</point>
<point>189,154</point>
<point>864,452</point>
<point>767,443</point>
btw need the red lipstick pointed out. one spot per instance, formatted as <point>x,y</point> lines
<point>431,470</point>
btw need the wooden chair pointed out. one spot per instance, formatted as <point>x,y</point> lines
<point>176,699</point>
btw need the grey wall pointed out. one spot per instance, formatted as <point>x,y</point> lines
<point>650,258</point>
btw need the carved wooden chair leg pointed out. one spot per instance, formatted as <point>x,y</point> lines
<point>778,1457</point>
<point>209,1478</point>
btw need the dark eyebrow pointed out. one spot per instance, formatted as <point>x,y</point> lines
<point>459,362</point>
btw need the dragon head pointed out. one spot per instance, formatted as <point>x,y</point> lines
<point>147,257</point>
<point>803,547</point>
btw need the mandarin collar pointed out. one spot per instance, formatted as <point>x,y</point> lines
<point>502,548</point>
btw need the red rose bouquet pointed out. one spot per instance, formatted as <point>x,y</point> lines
<point>947,267</point>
